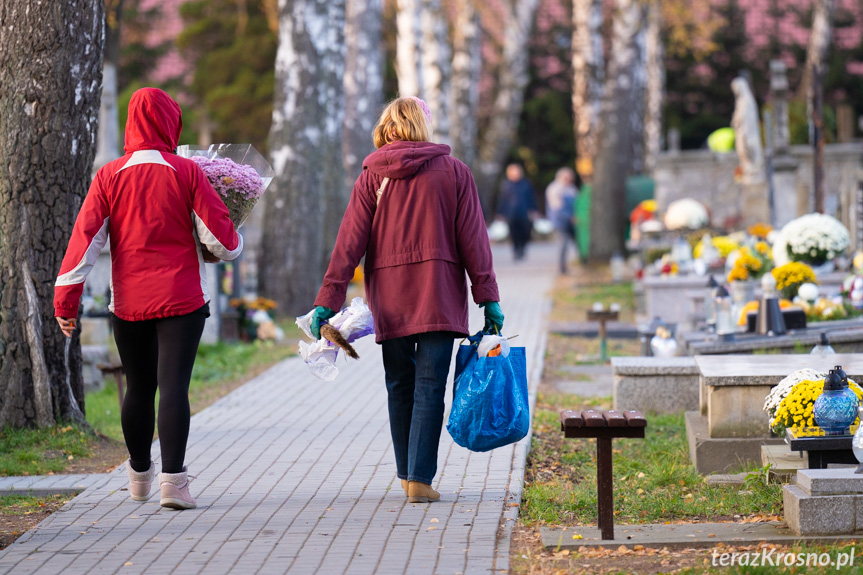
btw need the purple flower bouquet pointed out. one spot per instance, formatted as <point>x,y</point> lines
<point>237,172</point>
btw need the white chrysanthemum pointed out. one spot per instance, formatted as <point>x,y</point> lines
<point>813,236</point>
<point>686,213</point>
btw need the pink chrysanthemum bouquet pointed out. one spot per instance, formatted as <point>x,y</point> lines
<point>237,172</point>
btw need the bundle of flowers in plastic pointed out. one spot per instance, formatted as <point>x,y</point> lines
<point>237,172</point>
<point>353,322</point>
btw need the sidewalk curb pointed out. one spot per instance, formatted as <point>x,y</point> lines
<point>519,460</point>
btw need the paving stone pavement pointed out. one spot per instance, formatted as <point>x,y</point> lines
<point>296,475</point>
<point>39,485</point>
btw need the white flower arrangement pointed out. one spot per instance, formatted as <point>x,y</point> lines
<point>778,393</point>
<point>814,238</point>
<point>686,214</point>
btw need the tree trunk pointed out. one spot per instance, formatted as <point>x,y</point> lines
<point>498,137</point>
<point>408,50</point>
<point>613,162</point>
<point>306,143</point>
<point>51,72</point>
<point>436,67</point>
<point>364,85</point>
<point>655,89</point>
<point>819,44</point>
<point>636,111</point>
<point>108,142</point>
<point>587,80</point>
<point>466,70</point>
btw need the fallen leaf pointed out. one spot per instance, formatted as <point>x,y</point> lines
<point>577,536</point>
<point>431,528</point>
<point>434,520</point>
<point>641,475</point>
<point>711,534</point>
<point>640,491</point>
<point>637,547</point>
<point>128,564</point>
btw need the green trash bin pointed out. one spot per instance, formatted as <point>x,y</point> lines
<point>638,189</point>
<point>582,214</point>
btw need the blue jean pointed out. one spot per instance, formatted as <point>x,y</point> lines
<point>416,368</point>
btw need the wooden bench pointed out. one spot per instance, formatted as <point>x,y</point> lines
<point>603,316</point>
<point>116,370</point>
<point>603,426</point>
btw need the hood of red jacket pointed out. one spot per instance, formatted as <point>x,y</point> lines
<point>155,122</point>
<point>400,160</point>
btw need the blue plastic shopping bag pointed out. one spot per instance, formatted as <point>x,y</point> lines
<point>490,406</point>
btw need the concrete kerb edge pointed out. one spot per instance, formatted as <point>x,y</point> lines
<point>519,464</point>
<point>45,491</point>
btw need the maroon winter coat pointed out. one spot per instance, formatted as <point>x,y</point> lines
<point>426,232</point>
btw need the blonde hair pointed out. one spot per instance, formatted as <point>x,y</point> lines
<point>404,120</point>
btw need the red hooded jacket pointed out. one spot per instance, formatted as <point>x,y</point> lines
<point>427,230</point>
<point>157,209</point>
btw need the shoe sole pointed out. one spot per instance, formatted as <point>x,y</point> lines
<point>140,498</point>
<point>171,503</point>
<point>421,499</point>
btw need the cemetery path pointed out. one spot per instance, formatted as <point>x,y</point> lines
<point>296,475</point>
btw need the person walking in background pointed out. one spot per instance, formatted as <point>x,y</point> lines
<point>560,196</point>
<point>159,210</point>
<point>415,214</point>
<point>517,205</point>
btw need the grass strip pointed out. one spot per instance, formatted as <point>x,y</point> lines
<point>654,481</point>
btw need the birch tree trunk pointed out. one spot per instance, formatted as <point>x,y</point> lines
<point>306,143</point>
<point>408,52</point>
<point>466,70</point>
<point>613,162</point>
<point>587,80</point>
<point>51,72</point>
<point>655,89</point>
<point>636,110</point>
<point>436,67</point>
<point>364,84</point>
<point>108,141</point>
<point>819,44</point>
<point>498,137</point>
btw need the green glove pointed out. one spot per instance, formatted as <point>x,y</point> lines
<point>321,315</point>
<point>493,317</point>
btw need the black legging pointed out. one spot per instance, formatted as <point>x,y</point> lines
<point>158,353</point>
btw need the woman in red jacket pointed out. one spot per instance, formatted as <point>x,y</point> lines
<point>158,210</point>
<point>415,214</point>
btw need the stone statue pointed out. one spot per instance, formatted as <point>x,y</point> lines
<point>747,132</point>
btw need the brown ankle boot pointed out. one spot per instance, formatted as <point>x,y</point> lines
<point>421,493</point>
<point>405,486</point>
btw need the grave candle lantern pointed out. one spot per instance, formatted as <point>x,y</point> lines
<point>710,303</point>
<point>836,408</point>
<point>725,320</point>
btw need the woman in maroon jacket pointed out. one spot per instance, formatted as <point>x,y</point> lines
<point>415,214</point>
